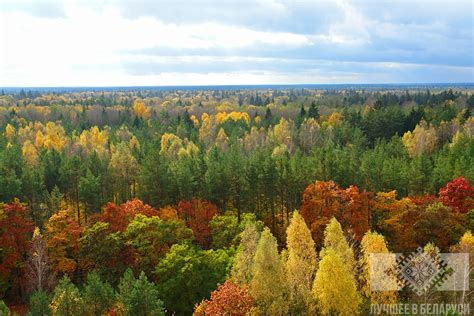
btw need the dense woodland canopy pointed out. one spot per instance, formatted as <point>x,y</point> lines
<point>138,202</point>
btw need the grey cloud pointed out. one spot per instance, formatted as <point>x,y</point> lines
<point>403,31</point>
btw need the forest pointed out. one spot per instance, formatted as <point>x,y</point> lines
<point>262,201</point>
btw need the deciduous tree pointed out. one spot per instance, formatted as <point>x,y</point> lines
<point>62,233</point>
<point>300,265</point>
<point>335,286</point>
<point>373,244</point>
<point>268,286</point>
<point>229,299</point>
<point>197,214</point>
<point>458,194</point>
<point>242,270</point>
<point>39,272</point>
<point>15,233</point>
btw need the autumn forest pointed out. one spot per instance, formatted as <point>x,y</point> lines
<point>227,201</point>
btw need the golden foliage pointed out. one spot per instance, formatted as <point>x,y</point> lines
<point>140,109</point>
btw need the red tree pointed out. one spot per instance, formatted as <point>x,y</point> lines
<point>15,234</point>
<point>120,216</point>
<point>423,200</point>
<point>321,201</point>
<point>324,200</point>
<point>356,211</point>
<point>197,214</point>
<point>458,194</point>
<point>229,299</point>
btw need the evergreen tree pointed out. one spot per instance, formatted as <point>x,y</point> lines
<point>89,192</point>
<point>139,296</point>
<point>4,310</point>
<point>301,117</point>
<point>313,111</point>
<point>67,299</point>
<point>98,295</point>
<point>39,304</point>
<point>268,116</point>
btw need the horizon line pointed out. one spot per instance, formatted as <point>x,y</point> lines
<point>454,84</point>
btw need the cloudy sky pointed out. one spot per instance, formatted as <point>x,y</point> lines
<point>208,42</point>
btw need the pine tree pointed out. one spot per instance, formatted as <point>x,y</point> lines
<point>39,304</point>
<point>301,265</point>
<point>98,295</point>
<point>335,286</point>
<point>313,111</point>
<point>268,116</point>
<point>67,299</point>
<point>139,296</point>
<point>4,310</point>
<point>242,270</point>
<point>268,286</point>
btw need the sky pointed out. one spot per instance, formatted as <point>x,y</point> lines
<point>47,43</point>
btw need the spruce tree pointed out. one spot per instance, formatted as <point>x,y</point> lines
<point>98,295</point>
<point>313,111</point>
<point>67,299</point>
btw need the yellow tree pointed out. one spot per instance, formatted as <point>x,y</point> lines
<point>39,140</point>
<point>9,132</point>
<point>382,268</point>
<point>268,286</point>
<point>141,110</point>
<point>335,118</point>
<point>242,270</point>
<point>125,168</point>
<point>422,139</point>
<point>170,145</point>
<point>335,286</point>
<point>466,245</point>
<point>55,136</point>
<point>207,132</point>
<point>30,153</point>
<point>310,131</point>
<point>282,135</point>
<point>334,239</point>
<point>222,141</point>
<point>300,265</point>
<point>93,140</point>
<point>254,139</point>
